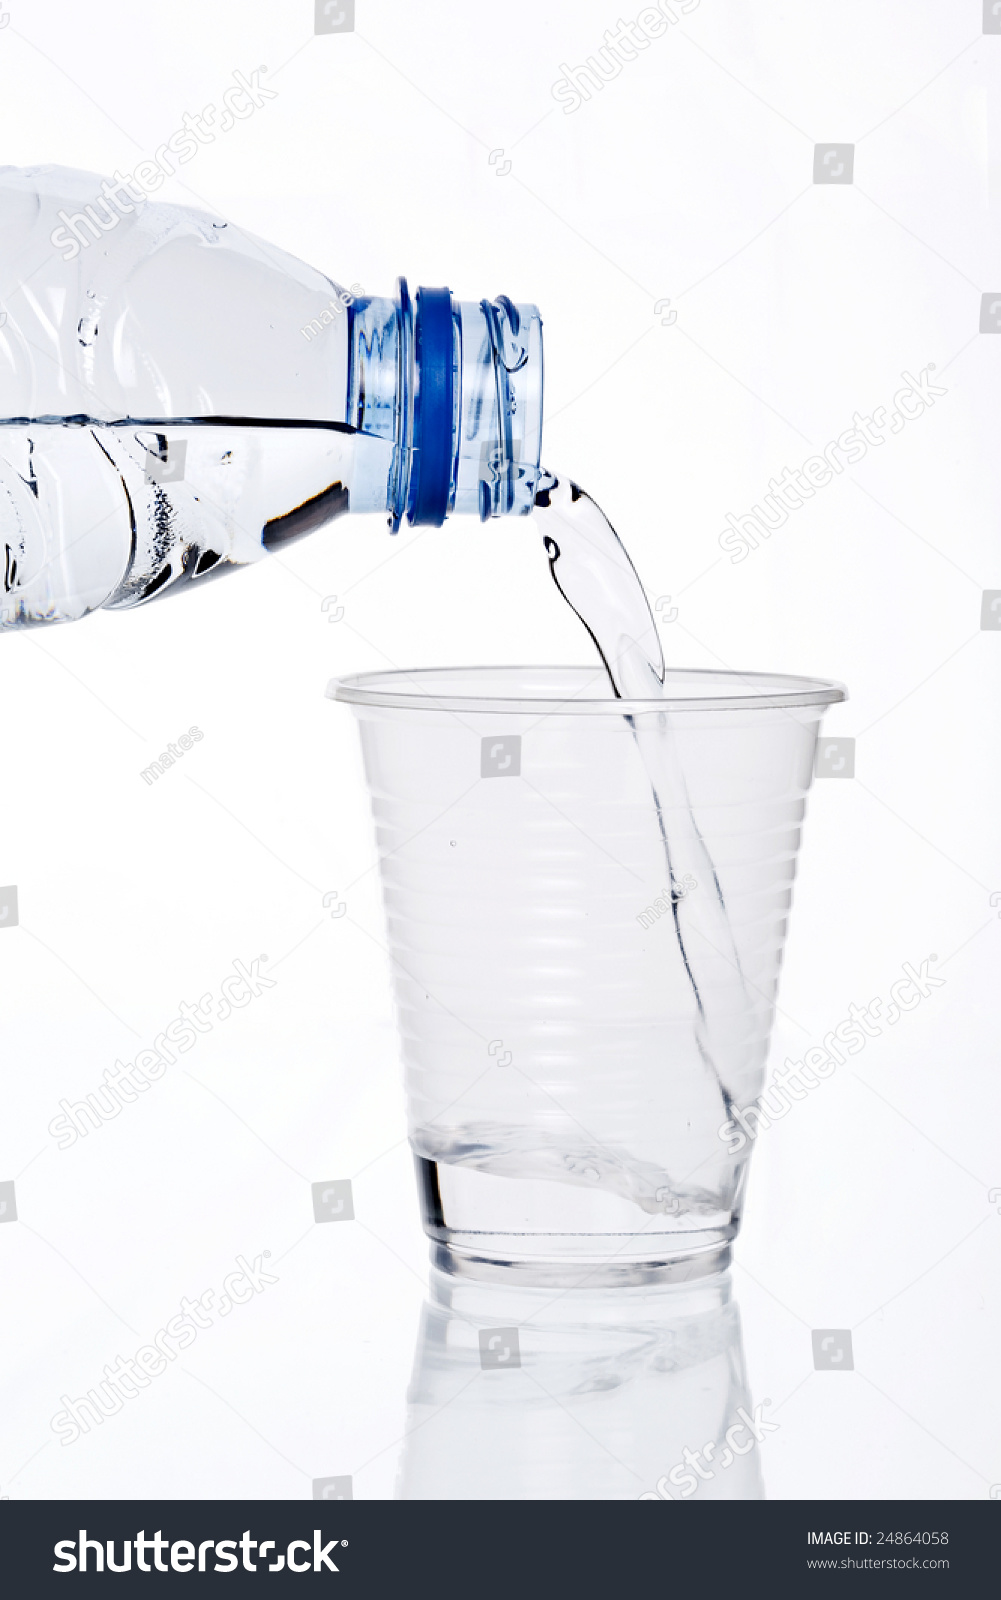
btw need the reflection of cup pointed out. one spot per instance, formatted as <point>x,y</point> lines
<point>610,1388</point>
<point>587,902</point>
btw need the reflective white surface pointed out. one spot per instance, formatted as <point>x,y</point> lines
<point>339,1368</point>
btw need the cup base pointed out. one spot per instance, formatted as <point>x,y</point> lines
<point>614,1268</point>
<point>555,1235</point>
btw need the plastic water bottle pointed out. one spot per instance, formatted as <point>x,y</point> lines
<point>178,397</point>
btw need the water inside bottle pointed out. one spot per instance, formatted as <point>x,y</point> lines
<point>159,503</point>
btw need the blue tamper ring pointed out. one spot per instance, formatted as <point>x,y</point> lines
<point>431,472</point>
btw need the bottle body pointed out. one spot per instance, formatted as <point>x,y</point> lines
<point>178,397</point>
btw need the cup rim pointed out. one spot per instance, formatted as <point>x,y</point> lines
<point>759,691</point>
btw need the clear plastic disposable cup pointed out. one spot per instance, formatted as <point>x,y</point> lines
<point>586,901</point>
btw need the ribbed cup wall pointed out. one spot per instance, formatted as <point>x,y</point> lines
<point>548,990</point>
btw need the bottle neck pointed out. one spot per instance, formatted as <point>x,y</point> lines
<point>454,387</point>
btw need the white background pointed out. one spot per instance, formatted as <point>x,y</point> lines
<point>798,304</point>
